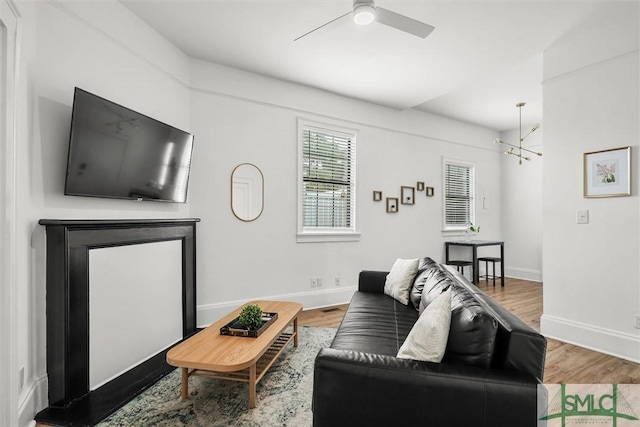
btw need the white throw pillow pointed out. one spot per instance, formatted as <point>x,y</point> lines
<point>427,340</point>
<point>400,279</point>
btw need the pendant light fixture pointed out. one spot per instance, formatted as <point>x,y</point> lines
<point>516,150</point>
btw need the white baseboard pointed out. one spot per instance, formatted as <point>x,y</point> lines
<point>618,344</point>
<point>207,314</point>
<point>523,273</point>
<point>34,401</point>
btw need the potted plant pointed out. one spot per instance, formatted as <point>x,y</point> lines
<point>251,322</point>
<point>472,229</point>
<point>251,316</point>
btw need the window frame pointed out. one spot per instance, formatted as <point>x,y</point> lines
<point>327,234</point>
<point>473,189</point>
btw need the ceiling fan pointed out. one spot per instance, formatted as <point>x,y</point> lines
<point>365,12</point>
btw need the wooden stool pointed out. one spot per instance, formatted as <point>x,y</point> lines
<point>487,260</point>
<point>460,265</point>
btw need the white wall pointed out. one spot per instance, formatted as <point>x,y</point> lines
<point>9,58</point>
<point>591,102</point>
<point>104,49</point>
<point>240,117</point>
<point>521,191</point>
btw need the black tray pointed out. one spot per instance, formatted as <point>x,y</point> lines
<point>234,327</point>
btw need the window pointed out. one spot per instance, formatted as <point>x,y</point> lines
<point>327,183</point>
<point>459,194</point>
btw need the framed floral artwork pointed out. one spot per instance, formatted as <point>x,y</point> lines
<point>607,173</point>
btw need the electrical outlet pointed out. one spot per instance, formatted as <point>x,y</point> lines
<point>314,282</point>
<point>319,281</point>
<point>637,322</point>
<point>337,281</point>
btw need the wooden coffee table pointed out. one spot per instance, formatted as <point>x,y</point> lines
<point>209,354</point>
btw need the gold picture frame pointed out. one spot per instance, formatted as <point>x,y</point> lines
<point>607,173</point>
<point>429,191</point>
<point>377,196</point>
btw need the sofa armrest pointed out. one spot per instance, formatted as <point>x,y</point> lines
<point>354,388</point>
<point>372,281</point>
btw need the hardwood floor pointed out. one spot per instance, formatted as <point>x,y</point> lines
<point>329,317</point>
<point>565,363</point>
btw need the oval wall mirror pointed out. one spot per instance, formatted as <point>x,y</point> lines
<point>247,192</point>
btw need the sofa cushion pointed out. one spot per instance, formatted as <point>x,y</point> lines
<point>427,340</point>
<point>426,262</point>
<point>374,323</point>
<point>472,333</point>
<point>400,279</point>
<point>431,282</point>
<point>424,265</point>
<point>518,347</point>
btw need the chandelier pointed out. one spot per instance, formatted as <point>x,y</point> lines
<point>516,150</point>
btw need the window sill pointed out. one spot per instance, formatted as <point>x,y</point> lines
<point>321,237</point>
<point>453,233</point>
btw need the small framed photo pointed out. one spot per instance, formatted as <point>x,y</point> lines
<point>392,204</point>
<point>377,196</point>
<point>407,195</point>
<point>607,173</point>
<point>429,191</point>
<point>420,186</point>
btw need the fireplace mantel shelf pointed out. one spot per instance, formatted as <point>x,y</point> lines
<point>107,223</point>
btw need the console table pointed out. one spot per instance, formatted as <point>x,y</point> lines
<point>474,245</point>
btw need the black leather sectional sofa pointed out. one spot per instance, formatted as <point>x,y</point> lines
<point>488,377</point>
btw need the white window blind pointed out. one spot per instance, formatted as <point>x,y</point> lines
<point>328,180</point>
<point>459,194</point>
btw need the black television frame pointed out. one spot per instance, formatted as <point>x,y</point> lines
<point>138,198</point>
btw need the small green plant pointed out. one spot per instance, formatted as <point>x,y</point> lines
<point>250,316</point>
<point>474,228</point>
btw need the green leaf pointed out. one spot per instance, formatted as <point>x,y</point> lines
<point>250,316</point>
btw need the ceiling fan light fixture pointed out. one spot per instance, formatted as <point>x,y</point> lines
<point>364,14</point>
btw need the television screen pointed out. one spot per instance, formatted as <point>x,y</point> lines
<point>118,153</point>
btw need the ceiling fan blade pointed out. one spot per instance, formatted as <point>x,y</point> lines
<point>324,25</point>
<point>403,23</point>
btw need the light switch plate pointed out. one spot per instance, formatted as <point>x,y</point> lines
<point>582,217</point>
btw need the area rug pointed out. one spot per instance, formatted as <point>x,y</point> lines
<point>283,397</point>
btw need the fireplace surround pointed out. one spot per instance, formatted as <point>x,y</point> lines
<point>71,402</point>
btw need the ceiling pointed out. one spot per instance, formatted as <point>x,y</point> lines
<point>482,58</point>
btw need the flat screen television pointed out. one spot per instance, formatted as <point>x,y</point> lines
<point>116,152</point>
